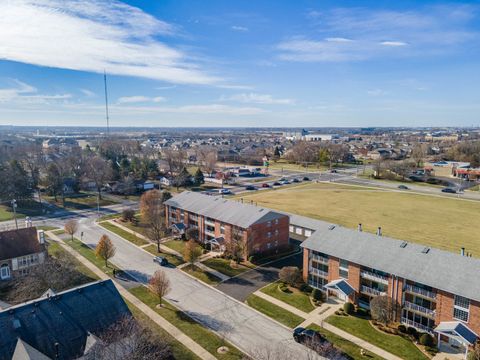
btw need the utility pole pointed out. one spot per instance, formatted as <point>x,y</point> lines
<point>106,102</point>
<point>14,206</point>
<point>98,205</point>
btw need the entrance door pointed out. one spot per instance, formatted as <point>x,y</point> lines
<point>4,272</point>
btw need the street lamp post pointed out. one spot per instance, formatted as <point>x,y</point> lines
<point>14,206</point>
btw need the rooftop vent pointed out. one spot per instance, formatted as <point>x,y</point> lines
<point>360,227</point>
<point>425,250</point>
<point>403,244</point>
<point>379,231</point>
<point>331,227</point>
<point>260,210</point>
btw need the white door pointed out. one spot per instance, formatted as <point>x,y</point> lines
<point>4,272</point>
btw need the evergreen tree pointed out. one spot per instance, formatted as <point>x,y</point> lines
<point>199,178</point>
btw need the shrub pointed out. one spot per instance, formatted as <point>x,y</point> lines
<point>306,288</point>
<point>251,258</point>
<point>426,340</point>
<point>317,294</point>
<point>348,307</point>
<point>290,275</point>
<point>412,331</point>
<point>362,312</point>
<point>402,328</point>
<point>128,215</point>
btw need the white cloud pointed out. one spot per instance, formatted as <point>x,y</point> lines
<point>393,43</point>
<point>139,99</point>
<point>338,39</point>
<point>193,109</point>
<point>91,35</point>
<point>376,92</point>
<point>22,93</point>
<point>87,93</point>
<point>239,28</point>
<point>259,99</point>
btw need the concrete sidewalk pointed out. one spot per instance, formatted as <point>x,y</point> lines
<point>188,342</point>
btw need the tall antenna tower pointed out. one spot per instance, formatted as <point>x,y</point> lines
<point>106,101</point>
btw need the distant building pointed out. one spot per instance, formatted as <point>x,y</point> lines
<point>319,137</point>
<point>20,250</point>
<point>62,326</point>
<point>295,134</point>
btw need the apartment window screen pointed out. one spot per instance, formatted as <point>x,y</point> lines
<point>343,269</point>
<point>461,308</point>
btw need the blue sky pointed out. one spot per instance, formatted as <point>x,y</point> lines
<point>240,63</point>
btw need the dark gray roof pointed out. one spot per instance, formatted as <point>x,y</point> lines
<point>436,268</point>
<point>341,285</point>
<point>228,211</point>
<point>65,318</point>
<point>457,329</point>
<point>308,223</point>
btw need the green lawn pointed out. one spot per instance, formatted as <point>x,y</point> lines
<point>108,217</point>
<point>204,337</point>
<point>47,228</point>
<point>275,312</point>
<point>296,298</point>
<point>124,234</point>
<point>177,245</point>
<point>282,164</point>
<point>344,345</point>
<point>223,266</point>
<point>79,201</point>
<point>438,221</point>
<point>172,259</point>
<point>24,208</point>
<point>55,250</point>
<point>202,275</point>
<point>58,232</point>
<point>362,328</point>
<point>179,350</point>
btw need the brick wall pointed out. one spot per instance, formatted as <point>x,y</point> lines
<point>474,318</point>
<point>444,311</point>
<point>305,265</point>
<point>333,268</point>
<point>395,292</point>
<point>259,239</point>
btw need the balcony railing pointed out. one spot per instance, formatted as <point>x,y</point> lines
<point>374,277</point>
<point>418,308</point>
<point>208,222</point>
<point>318,272</point>
<point>416,325</point>
<point>419,291</point>
<point>320,259</point>
<point>371,291</point>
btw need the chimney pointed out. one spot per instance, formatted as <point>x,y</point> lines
<point>41,236</point>
<point>379,231</point>
<point>462,251</point>
<point>360,228</point>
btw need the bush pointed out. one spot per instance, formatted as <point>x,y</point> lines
<point>251,258</point>
<point>402,328</point>
<point>348,307</point>
<point>362,312</point>
<point>306,288</point>
<point>426,340</point>
<point>412,331</point>
<point>128,215</point>
<point>317,294</point>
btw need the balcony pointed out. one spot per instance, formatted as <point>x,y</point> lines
<point>208,222</point>
<point>320,259</point>
<point>419,291</point>
<point>374,277</point>
<point>416,325</point>
<point>419,309</point>
<point>371,291</point>
<point>318,272</point>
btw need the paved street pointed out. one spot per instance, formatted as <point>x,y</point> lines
<point>241,325</point>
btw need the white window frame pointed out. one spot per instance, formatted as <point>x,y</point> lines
<point>5,272</point>
<point>458,307</point>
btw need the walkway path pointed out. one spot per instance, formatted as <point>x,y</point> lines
<point>188,342</point>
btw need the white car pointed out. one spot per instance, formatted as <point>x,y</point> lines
<point>224,191</point>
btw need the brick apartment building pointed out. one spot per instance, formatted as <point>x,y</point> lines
<point>432,290</point>
<point>263,231</point>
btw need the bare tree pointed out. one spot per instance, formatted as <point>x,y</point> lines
<point>192,252</point>
<point>105,249</point>
<point>99,171</point>
<point>235,247</point>
<point>419,152</point>
<point>159,285</point>
<point>381,308</point>
<point>71,227</point>
<point>290,275</point>
<point>152,212</point>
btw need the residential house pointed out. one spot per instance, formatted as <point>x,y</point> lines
<point>20,250</point>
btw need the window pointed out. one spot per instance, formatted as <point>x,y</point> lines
<point>276,222</point>
<point>291,229</point>
<point>222,229</point>
<point>268,246</point>
<point>343,269</point>
<point>276,232</point>
<point>26,261</point>
<point>4,272</point>
<point>298,230</point>
<point>461,308</point>
<point>269,235</point>
<point>276,243</point>
<point>308,232</point>
<point>269,223</point>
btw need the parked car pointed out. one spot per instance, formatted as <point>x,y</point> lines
<point>306,178</point>
<point>160,260</point>
<point>282,179</point>
<point>333,171</point>
<point>295,180</point>
<point>224,191</point>
<point>403,187</point>
<point>285,182</point>
<point>265,185</point>
<point>449,190</point>
<point>276,183</point>
<point>250,187</point>
<point>307,336</point>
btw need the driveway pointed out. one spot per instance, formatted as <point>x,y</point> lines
<point>241,286</point>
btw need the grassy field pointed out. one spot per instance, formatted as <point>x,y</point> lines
<point>441,222</point>
<point>55,250</point>
<point>204,276</point>
<point>177,245</point>
<point>275,312</point>
<point>224,266</point>
<point>295,298</point>
<point>134,239</point>
<point>345,346</point>
<point>204,337</point>
<point>362,328</point>
<point>79,201</point>
<point>172,259</point>
<point>24,208</point>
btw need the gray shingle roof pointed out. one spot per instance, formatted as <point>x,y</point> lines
<point>228,211</point>
<point>21,242</point>
<point>437,268</point>
<point>65,318</point>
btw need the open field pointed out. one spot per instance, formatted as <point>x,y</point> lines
<point>441,222</point>
<point>295,297</point>
<point>24,208</point>
<point>225,266</point>
<point>79,201</point>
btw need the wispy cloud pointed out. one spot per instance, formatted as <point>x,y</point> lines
<point>139,99</point>
<point>239,28</point>
<point>92,36</point>
<point>352,34</point>
<point>87,93</point>
<point>254,98</point>
<point>22,93</point>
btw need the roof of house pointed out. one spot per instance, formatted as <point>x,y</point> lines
<point>439,269</point>
<point>21,242</point>
<point>23,351</point>
<point>228,211</point>
<point>457,329</point>
<point>65,318</point>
